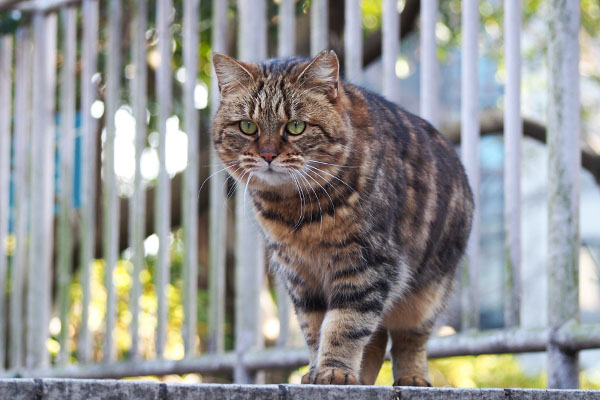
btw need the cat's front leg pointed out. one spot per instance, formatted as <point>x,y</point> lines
<point>310,306</point>
<point>353,315</point>
<point>344,335</point>
<point>310,323</point>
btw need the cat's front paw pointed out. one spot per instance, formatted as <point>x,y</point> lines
<point>330,376</point>
<point>411,381</point>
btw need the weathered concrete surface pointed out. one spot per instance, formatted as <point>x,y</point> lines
<point>89,389</point>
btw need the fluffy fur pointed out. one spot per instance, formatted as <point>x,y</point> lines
<point>367,212</point>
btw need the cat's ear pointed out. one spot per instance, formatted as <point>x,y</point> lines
<point>322,73</point>
<point>231,74</point>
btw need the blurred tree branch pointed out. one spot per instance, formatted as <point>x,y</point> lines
<point>492,122</point>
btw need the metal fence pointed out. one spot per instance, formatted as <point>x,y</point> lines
<point>35,259</point>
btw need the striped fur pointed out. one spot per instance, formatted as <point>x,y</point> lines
<point>366,213</point>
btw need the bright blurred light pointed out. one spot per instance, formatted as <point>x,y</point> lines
<point>200,96</point>
<point>97,109</point>
<point>52,346</point>
<point>172,123</point>
<point>153,58</point>
<point>442,32</point>
<point>402,67</point>
<point>96,78</point>
<point>153,139</point>
<point>124,144</point>
<point>492,28</point>
<point>180,75</point>
<point>54,326</point>
<point>176,150</point>
<point>400,6</point>
<point>124,158</point>
<point>446,330</point>
<point>151,245</point>
<point>125,123</point>
<point>149,164</point>
<point>271,328</point>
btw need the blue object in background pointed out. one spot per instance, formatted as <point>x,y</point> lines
<point>77,175</point>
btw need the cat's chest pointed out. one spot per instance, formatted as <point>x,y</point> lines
<point>305,232</point>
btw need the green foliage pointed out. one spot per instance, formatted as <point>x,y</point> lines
<point>10,21</point>
<point>590,16</point>
<point>123,279</point>
<point>371,15</point>
<point>485,371</point>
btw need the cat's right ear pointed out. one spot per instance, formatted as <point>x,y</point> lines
<point>232,75</point>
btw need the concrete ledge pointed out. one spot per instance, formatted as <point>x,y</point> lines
<point>89,389</point>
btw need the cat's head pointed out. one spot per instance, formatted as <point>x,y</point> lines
<point>281,119</point>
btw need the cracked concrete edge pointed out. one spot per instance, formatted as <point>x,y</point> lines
<point>89,389</point>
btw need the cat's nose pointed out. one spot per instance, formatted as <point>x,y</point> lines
<point>268,153</point>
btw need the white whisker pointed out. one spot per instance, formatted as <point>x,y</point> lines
<point>333,176</point>
<point>211,175</point>
<point>246,189</point>
<point>316,197</point>
<point>301,200</point>
<point>334,165</point>
<point>308,193</point>
<point>307,173</point>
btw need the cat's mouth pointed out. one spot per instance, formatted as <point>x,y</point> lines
<point>272,170</point>
<point>273,175</point>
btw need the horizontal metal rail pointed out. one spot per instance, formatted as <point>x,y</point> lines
<point>39,5</point>
<point>571,337</point>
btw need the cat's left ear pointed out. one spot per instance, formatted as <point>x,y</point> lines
<point>322,73</point>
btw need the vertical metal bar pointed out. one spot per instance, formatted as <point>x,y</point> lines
<point>564,161</point>
<point>218,210</point>
<point>89,59</point>
<point>110,206</point>
<point>137,203</point>
<point>287,41</point>
<point>429,64</point>
<point>42,183</point>
<point>319,26</point>
<point>287,28</point>
<point>164,13</point>
<point>32,326</point>
<point>6,49</point>
<point>50,173</point>
<point>190,192</point>
<point>390,46</point>
<point>469,146</point>
<point>353,41</point>
<point>64,251</point>
<point>21,187</point>
<point>512,161</point>
<point>249,268</point>
<point>49,150</point>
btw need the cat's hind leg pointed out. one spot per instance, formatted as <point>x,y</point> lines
<point>409,357</point>
<point>373,356</point>
<point>410,321</point>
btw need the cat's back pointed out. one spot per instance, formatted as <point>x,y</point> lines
<point>420,183</point>
<point>407,143</point>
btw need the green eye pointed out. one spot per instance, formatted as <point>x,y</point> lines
<point>295,127</point>
<point>248,127</point>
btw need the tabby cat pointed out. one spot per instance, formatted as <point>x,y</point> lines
<point>365,208</point>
